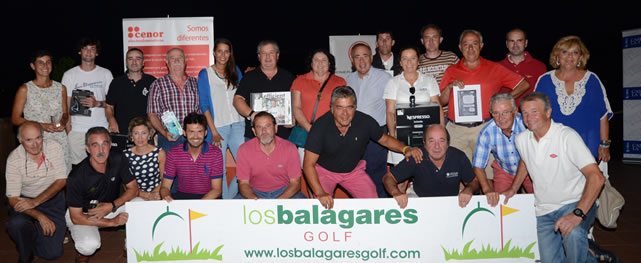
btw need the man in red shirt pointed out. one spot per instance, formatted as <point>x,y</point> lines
<point>472,69</point>
<point>268,166</point>
<point>520,61</point>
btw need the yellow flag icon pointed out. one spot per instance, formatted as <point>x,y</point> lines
<point>506,210</point>
<point>195,215</point>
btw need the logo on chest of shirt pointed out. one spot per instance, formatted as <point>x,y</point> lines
<point>145,91</point>
<point>451,175</point>
<point>553,156</point>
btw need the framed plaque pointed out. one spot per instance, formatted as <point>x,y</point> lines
<point>467,104</point>
<point>278,104</point>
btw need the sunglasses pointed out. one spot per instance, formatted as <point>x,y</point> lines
<point>412,98</point>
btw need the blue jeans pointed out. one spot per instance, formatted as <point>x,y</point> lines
<point>233,137</point>
<point>555,247</point>
<point>273,194</point>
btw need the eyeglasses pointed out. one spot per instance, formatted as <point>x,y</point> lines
<point>35,173</point>
<point>412,98</point>
<point>497,114</point>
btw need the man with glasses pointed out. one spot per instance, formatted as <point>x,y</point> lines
<point>36,174</point>
<point>498,138</point>
<point>336,145</point>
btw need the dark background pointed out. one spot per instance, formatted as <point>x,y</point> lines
<point>302,26</point>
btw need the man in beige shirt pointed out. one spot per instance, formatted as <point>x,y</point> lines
<point>36,173</point>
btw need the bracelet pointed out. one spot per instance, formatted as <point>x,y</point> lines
<point>605,143</point>
<point>113,207</point>
<point>249,116</point>
<point>405,149</point>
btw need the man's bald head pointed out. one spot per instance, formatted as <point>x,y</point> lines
<point>30,137</point>
<point>28,126</point>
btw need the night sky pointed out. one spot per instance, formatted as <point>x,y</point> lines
<point>298,28</point>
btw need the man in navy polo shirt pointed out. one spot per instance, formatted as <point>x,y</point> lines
<point>438,175</point>
<point>268,77</point>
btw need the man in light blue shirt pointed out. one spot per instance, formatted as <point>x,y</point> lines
<point>369,84</point>
<point>497,138</point>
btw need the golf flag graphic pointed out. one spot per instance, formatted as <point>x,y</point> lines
<point>505,210</point>
<point>193,215</point>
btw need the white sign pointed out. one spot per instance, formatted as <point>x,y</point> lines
<point>356,230</point>
<point>155,36</point>
<point>632,96</point>
<point>341,46</point>
<point>467,104</point>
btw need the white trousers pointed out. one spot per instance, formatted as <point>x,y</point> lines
<point>87,238</point>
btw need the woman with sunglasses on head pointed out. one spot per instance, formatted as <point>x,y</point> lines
<point>409,87</point>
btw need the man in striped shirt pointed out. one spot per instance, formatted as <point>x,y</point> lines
<point>36,173</point>
<point>196,164</point>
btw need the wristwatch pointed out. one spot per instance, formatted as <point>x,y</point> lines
<point>578,212</point>
<point>249,116</point>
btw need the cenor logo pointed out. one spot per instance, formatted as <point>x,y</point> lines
<point>135,32</point>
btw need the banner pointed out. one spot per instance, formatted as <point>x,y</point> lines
<point>155,36</point>
<point>340,47</point>
<point>632,96</point>
<point>355,230</point>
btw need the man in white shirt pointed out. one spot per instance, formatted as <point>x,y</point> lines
<point>566,180</point>
<point>86,111</point>
<point>369,85</point>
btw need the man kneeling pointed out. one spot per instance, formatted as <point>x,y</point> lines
<point>439,175</point>
<point>93,193</point>
<point>268,167</point>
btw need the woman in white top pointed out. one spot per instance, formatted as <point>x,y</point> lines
<point>216,88</point>
<point>408,87</point>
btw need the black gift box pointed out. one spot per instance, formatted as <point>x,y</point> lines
<point>412,121</point>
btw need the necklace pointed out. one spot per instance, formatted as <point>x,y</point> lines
<point>216,71</point>
<point>44,85</point>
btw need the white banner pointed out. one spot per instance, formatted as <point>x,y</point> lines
<point>340,47</point>
<point>632,96</point>
<point>155,36</point>
<point>356,230</point>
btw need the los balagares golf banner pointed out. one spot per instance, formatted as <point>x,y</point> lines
<point>355,230</point>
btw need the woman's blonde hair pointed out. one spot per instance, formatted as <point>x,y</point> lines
<point>566,43</point>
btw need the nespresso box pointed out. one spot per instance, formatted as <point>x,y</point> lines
<point>412,121</point>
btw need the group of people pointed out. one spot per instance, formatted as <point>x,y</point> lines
<point>547,141</point>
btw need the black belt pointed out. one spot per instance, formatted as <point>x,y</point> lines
<point>468,124</point>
